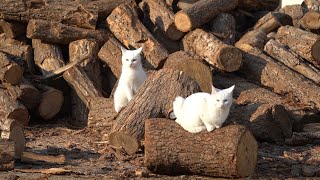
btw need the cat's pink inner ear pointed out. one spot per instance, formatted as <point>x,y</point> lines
<point>214,90</point>
<point>123,50</point>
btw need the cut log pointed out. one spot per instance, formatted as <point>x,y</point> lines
<point>12,109</point>
<point>146,104</point>
<point>48,57</point>
<point>13,130</point>
<point>127,28</point>
<point>272,21</point>
<point>292,60</point>
<point>224,27</point>
<point>59,33</point>
<point>194,68</point>
<point>12,29</point>
<point>208,47</point>
<point>202,12</point>
<point>252,39</point>
<point>305,44</point>
<point>312,5</point>
<point>257,5</point>
<point>310,21</point>
<point>166,152</point>
<point>42,159</point>
<point>50,102</point>
<point>185,4</point>
<point>110,53</point>
<point>10,72</point>
<point>161,16</point>
<point>6,155</point>
<point>295,11</point>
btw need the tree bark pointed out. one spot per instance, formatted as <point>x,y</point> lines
<point>257,5</point>
<point>154,99</point>
<point>59,33</point>
<point>127,28</point>
<point>295,11</point>
<point>194,68</point>
<point>224,27</point>
<point>305,44</point>
<point>272,21</point>
<point>202,12</point>
<point>110,53</point>
<point>12,29</point>
<point>169,149</point>
<point>6,155</point>
<point>10,72</point>
<point>47,56</point>
<point>312,5</point>
<point>12,109</point>
<point>13,130</point>
<point>185,4</point>
<point>252,39</point>
<point>310,21</point>
<point>208,47</point>
<point>292,60</point>
<point>161,16</point>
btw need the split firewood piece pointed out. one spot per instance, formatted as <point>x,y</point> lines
<point>12,29</point>
<point>162,17</point>
<point>202,12</point>
<point>295,11</point>
<point>10,72</point>
<point>194,68</point>
<point>71,13</point>
<point>13,130</point>
<point>12,109</point>
<point>47,56</point>
<point>59,33</point>
<point>257,5</point>
<point>51,101</point>
<point>154,99</point>
<point>6,155</point>
<point>40,159</point>
<point>224,27</point>
<point>311,21</point>
<point>207,154</point>
<point>21,52</point>
<point>252,39</point>
<point>110,53</point>
<point>304,43</point>
<point>292,60</point>
<point>127,28</point>
<point>272,21</point>
<point>262,69</point>
<point>185,4</point>
<point>208,47</point>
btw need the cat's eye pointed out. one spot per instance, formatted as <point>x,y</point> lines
<point>133,60</point>
<point>225,100</point>
<point>127,59</point>
<point>218,100</point>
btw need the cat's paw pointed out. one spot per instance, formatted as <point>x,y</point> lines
<point>196,129</point>
<point>210,128</point>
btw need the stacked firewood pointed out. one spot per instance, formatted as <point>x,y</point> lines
<point>271,56</point>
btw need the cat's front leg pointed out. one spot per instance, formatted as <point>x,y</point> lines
<point>129,93</point>
<point>209,127</point>
<point>196,129</point>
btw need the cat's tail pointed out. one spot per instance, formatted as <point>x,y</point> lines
<point>177,106</point>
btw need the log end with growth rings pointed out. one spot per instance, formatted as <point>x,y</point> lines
<point>13,75</point>
<point>230,59</point>
<point>124,141</point>
<point>315,51</point>
<point>173,33</point>
<point>182,22</point>
<point>50,103</point>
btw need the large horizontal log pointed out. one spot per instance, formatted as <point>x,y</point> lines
<point>169,149</point>
<point>257,5</point>
<point>272,21</point>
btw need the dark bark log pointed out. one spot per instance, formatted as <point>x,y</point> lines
<point>59,33</point>
<point>194,68</point>
<point>292,60</point>
<point>305,44</point>
<point>153,100</point>
<point>162,17</point>
<point>252,39</point>
<point>208,47</point>
<point>10,72</point>
<point>257,5</point>
<point>202,12</point>
<point>272,21</point>
<point>6,155</point>
<point>295,11</point>
<point>127,28</point>
<point>224,27</point>
<point>200,153</point>
<point>12,29</point>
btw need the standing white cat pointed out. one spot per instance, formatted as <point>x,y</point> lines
<point>131,78</point>
<point>202,111</point>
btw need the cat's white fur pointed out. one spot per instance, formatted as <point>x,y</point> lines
<point>131,78</point>
<point>202,111</point>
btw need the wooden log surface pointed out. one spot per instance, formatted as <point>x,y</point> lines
<point>224,27</point>
<point>59,33</point>
<point>310,21</point>
<point>185,4</point>
<point>10,72</point>
<point>272,21</point>
<point>252,39</point>
<point>6,155</point>
<point>151,101</point>
<point>208,47</point>
<point>257,5</point>
<point>295,11</point>
<point>166,152</point>
<point>127,28</point>
<point>202,12</point>
<point>305,44</point>
<point>12,29</point>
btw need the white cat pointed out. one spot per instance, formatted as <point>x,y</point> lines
<point>131,78</point>
<point>202,111</point>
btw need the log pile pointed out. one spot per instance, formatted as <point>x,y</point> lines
<point>271,55</point>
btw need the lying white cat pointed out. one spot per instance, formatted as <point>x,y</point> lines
<point>202,111</point>
<point>131,78</point>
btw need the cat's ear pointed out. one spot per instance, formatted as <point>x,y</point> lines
<point>214,90</point>
<point>123,50</point>
<point>230,89</point>
<point>139,50</point>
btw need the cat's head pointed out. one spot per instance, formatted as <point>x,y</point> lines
<point>131,58</point>
<point>222,98</point>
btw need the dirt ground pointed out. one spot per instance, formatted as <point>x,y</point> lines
<point>88,156</point>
